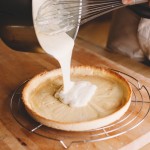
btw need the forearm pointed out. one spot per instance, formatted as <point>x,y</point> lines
<point>133,2</point>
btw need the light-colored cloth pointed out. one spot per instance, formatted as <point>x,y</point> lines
<point>144,36</point>
<point>123,37</point>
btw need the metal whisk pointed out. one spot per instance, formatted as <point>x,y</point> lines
<point>56,16</point>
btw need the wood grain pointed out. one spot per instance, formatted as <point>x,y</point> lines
<point>16,67</point>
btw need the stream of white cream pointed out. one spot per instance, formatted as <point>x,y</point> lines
<point>60,46</point>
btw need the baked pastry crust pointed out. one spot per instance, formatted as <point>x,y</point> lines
<point>110,102</point>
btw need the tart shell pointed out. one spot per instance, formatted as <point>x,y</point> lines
<point>80,125</point>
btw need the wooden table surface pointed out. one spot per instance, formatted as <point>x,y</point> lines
<point>16,67</point>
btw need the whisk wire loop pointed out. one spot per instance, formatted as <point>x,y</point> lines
<point>56,16</point>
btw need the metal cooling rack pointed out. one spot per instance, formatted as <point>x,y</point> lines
<point>137,112</point>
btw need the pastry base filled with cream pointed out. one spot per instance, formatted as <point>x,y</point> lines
<point>108,103</point>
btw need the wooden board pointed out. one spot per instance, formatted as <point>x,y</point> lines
<point>16,67</point>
